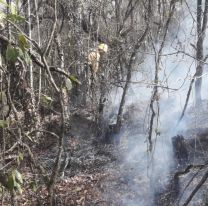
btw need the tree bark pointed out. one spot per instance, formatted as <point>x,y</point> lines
<point>201,29</point>
<point>129,66</point>
<point>122,103</point>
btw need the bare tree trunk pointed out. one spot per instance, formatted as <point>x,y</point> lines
<point>129,70</point>
<point>8,24</point>
<point>128,79</point>
<point>123,99</point>
<point>57,40</point>
<point>30,102</point>
<point>156,78</point>
<point>39,44</point>
<point>30,36</point>
<point>57,165</point>
<point>199,55</point>
<point>201,32</point>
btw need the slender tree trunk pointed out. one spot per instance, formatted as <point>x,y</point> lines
<point>199,53</point>
<point>122,103</point>
<point>57,40</point>
<point>8,24</point>
<point>201,31</point>
<point>34,108</point>
<point>39,44</point>
<point>129,70</point>
<point>30,36</point>
<point>56,168</point>
<point>199,56</point>
<point>156,78</point>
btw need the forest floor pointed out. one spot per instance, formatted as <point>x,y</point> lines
<point>101,174</point>
<point>96,173</point>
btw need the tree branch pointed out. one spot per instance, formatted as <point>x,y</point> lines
<point>199,185</point>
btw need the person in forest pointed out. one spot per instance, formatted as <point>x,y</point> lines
<point>93,58</point>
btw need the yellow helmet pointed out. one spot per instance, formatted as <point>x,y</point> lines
<point>103,47</point>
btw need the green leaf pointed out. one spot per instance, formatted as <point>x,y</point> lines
<point>33,186</point>
<point>20,53</point>
<point>23,43</point>
<point>4,123</point>
<point>68,84</point>
<point>74,79</point>
<point>19,158</point>
<point>27,58</point>
<point>11,54</point>
<point>14,181</point>
<point>15,18</point>
<point>13,9</point>
<point>23,54</point>
<point>18,177</point>
<point>46,99</point>
<point>18,188</point>
<point>11,181</point>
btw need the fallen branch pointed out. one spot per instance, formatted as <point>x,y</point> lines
<point>10,149</point>
<point>188,168</point>
<point>45,131</point>
<point>199,185</point>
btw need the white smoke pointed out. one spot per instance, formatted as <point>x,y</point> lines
<point>177,69</point>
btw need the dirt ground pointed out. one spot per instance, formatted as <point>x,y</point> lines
<point>100,174</point>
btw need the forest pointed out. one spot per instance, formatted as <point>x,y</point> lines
<point>103,102</point>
